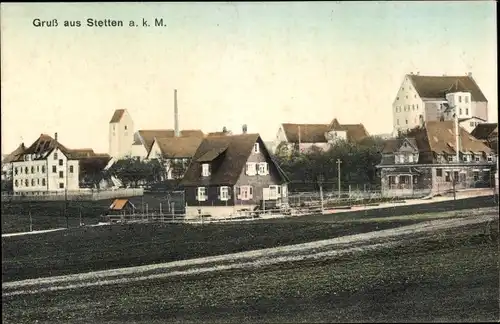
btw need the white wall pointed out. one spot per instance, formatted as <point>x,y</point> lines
<point>407,107</point>
<point>462,102</point>
<point>138,151</point>
<point>121,136</point>
<point>334,136</point>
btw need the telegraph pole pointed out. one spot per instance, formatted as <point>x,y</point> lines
<point>339,162</point>
<point>320,182</point>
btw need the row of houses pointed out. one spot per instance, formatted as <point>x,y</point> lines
<point>225,171</point>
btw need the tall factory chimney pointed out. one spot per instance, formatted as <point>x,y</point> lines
<point>176,115</point>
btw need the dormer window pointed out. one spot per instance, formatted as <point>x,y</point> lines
<point>256,148</point>
<point>490,158</point>
<point>205,170</point>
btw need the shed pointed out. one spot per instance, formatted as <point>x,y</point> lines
<point>121,206</point>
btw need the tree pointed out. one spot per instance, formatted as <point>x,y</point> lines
<point>92,170</point>
<point>131,171</point>
<point>359,161</point>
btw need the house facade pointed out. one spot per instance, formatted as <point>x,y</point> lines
<point>230,173</point>
<point>305,136</point>
<point>424,162</point>
<point>427,98</point>
<point>44,167</point>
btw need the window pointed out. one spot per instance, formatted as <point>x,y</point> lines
<point>450,158</point>
<point>460,111</point>
<point>413,107</point>
<point>459,98</point>
<point>467,111</point>
<point>407,122</point>
<point>397,98</point>
<point>439,172</point>
<point>447,177</point>
<point>256,148</point>
<point>15,171</point>
<point>476,158</point>
<point>55,156</point>
<point>70,169</point>
<point>201,194</point>
<point>205,170</point>
<point>466,99</point>
<point>61,174</point>
<point>26,183</point>
<point>32,169</point>
<point>410,158</point>
<point>251,168</point>
<point>61,185</point>
<point>417,106</point>
<point>26,170</point>
<point>406,97</point>
<point>38,182</point>
<point>43,182</point>
<point>414,96</point>
<point>61,162</point>
<point>224,193</point>
<point>263,168</point>
<point>476,174</point>
<point>396,158</point>
<point>125,127</point>
<point>466,158</point>
<point>54,169</point>
<point>245,192</point>
<point>397,121</point>
<point>37,168</point>
<point>32,182</point>
<point>471,124</point>
<point>43,168</point>
<point>415,180</point>
<point>16,183</point>
<point>490,158</point>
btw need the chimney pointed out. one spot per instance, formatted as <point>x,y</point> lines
<point>469,74</point>
<point>244,128</point>
<point>55,136</point>
<point>176,115</point>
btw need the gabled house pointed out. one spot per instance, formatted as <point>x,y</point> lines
<point>424,161</point>
<point>176,153</point>
<point>230,173</point>
<point>304,136</point>
<point>422,98</point>
<point>121,133</point>
<point>144,139</point>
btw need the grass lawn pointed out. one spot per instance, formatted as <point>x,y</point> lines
<point>452,275</point>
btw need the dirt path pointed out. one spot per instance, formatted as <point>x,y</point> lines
<point>256,258</point>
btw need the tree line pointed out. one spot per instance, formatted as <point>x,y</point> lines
<point>306,170</point>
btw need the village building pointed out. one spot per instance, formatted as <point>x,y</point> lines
<point>305,136</point>
<point>423,162</point>
<point>230,173</point>
<point>47,166</point>
<point>433,98</point>
<point>175,153</point>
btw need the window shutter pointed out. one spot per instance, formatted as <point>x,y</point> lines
<point>220,193</point>
<point>247,169</point>
<point>255,168</point>
<point>238,192</point>
<point>250,192</point>
<point>267,168</point>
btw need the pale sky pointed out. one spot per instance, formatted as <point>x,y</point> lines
<point>259,64</point>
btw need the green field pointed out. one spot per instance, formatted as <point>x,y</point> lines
<point>452,275</point>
